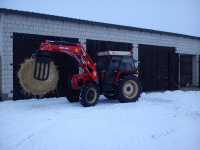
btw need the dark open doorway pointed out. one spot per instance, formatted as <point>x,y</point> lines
<point>186,70</point>
<point>158,67</point>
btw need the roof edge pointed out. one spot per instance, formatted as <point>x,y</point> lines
<point>54,17</point>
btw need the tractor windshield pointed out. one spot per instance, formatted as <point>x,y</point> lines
<point>111,63</point>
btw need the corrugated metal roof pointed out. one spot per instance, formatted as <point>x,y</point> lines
<point>53,17</point>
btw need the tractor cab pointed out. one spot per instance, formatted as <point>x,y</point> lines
<point>116,61</point>
<point>112,66</point>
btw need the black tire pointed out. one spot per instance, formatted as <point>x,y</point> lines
<point>89,95</point>
<point>71,94</point>
<point>129,89</point>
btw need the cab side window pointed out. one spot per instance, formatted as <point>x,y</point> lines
<point>127,64</point>
<point>114,64</point>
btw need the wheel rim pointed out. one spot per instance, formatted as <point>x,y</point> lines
<point>91,95</point>
<point>130,89</point>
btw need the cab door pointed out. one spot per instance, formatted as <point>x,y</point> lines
<point>111,70</point>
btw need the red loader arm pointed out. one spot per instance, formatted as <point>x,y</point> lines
<point>77,51</point>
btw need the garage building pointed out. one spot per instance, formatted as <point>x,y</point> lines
<point>167,61</point>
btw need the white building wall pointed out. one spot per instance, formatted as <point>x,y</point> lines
<point>23,24</point>
<point>1,25</point>
<point>1,31</point>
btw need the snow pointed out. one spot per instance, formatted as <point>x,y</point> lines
<point>161,120</point>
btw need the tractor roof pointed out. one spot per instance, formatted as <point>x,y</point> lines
<point>114,53</point>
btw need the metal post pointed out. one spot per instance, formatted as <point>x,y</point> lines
<point>83,42</point>
<point>179,71</point>
<point>135,51</point>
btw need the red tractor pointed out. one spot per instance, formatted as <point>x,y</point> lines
<point>114,74</point>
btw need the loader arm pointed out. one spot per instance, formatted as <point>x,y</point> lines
<point>77,51</point>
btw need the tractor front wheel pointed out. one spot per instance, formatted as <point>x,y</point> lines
<point>89,95</point>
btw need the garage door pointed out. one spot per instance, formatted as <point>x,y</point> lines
<point>158,67</point>
<point>26,44</point>
<point>186,70</point>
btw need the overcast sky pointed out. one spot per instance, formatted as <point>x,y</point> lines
<point>180,16</point>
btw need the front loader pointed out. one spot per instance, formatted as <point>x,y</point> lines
<point>114,74</point>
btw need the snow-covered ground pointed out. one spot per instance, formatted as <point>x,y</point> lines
<point>158,121</point>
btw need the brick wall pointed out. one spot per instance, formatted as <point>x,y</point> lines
<point>23,24</point>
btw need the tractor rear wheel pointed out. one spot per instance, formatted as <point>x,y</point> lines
<point>129,89</point>
<point>89,95</point>
<point>35,87</point>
